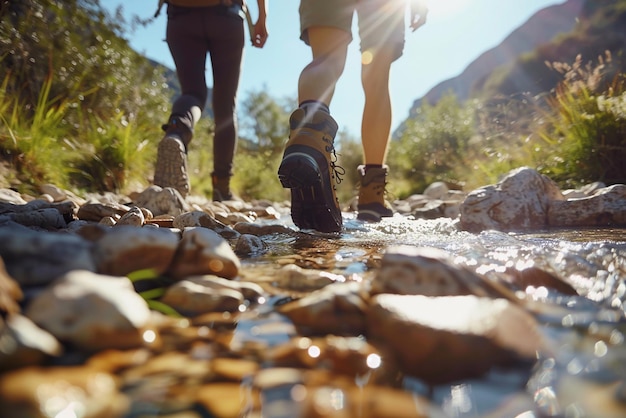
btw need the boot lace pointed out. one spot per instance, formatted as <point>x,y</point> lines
<point>338,170</point>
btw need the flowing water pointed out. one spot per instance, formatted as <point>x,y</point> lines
<point>586,374</point>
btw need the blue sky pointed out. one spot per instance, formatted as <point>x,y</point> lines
<point>456,33</point>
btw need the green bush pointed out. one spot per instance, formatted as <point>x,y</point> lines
<point>433,144</point>
<point>588,125</point>
<point>82,105</point>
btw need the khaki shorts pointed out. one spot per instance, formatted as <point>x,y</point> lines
<point>381,23</point>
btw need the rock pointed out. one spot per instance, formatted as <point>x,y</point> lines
<point>62,391</point>
<point>378,401</point>
<point>203,251</point>
<point>12,197</point>
<point>36,258</point>
<point>96,211</point>
<point>91,311</point>
<point>161,201</point>
<point>606,207</point>
<point>196,218</point>
<point>201,294</point>
<point>224,400</point>
<point>10,293</point>
<point>126,249</point>
<point>249,245</point>
<point>260,230</point>
<point>205,220</point>
<point>43,218</point>
<point>234,369</point>
<point>292,277</point>
<point>436,190</point>
<point>22,343</point>
<point>231,218</point>
<point>350,356</point>
<point>442,339</point>
<point>336,309</point>
<point>519,202</point>
<point>433,209</point>
<point>408,270</point>
<point>536,277</point>
<point>134,217</point>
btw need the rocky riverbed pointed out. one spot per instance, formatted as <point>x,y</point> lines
<point>504,301</point>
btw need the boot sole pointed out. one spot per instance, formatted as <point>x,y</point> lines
<point>171,166</point>
<point>312,206</point>
<point>373,212</point>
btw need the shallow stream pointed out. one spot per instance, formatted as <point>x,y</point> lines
<point>585,377</point>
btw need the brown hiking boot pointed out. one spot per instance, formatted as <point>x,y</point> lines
<point>372,205</point>
<point>221,188</point>
<point>308,168</point>
<point>171,164</point>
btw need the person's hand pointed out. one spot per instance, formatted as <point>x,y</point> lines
<point>419,11</point>
<point>259,34</point>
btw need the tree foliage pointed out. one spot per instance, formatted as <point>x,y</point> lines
<point>94,83</point>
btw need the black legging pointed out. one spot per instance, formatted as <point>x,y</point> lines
<point>191,34</point>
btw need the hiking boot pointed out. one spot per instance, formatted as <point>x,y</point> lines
<point>221,188</point>
<point>372,205</point>
<point>308,168</point>
<point>171,163</point>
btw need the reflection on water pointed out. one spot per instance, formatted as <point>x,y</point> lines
<point>588,365</point>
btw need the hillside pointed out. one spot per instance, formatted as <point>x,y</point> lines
<point>539,29</point>
<point>555,34</point>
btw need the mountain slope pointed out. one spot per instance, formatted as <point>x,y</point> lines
<point>539,29</point>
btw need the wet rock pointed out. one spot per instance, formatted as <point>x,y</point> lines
<point>442,339</point>
<point>178,365</point>
<point>249,245</point>
<point>519,202</point>
<point>260,230</point>
<point>224,400</point>
<point>589,397</point>
<point>36,258</point>
<point>296,278</point>
<point>22,343</point>
<point>234,369</point>
<point>377,401</point>
<point>408,270</point>
<point>201,294</point>
<point>607,207</point>
<point>336,309</point>
<point>126,249</point>
<point>161,201</point>
<point>91,311</point>
<point>62,391</point>
<point>536,277</point>
<point>351,356</point>
<point>203,251</point>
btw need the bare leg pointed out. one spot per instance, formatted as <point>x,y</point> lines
<point>329,47</point>
<point>376,123</point>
